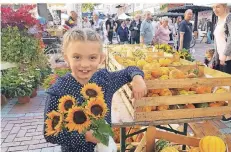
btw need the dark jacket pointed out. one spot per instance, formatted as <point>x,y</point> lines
<point>123,34</point>
<point>135,33</point>
<point>67,85</point>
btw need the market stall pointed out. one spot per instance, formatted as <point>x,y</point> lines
<point>157,108</point>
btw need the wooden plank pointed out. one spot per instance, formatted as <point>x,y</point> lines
<point>182,99</point>
<point>176,138</point>
<point>188,83</point>
<point>150,139</point>
<point>181,113</point>
<point>142,146</point>
<point>127,103</point>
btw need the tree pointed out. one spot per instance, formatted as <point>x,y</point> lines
<point>88,6</point>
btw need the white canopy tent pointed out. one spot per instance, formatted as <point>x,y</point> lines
<point>123,16</point>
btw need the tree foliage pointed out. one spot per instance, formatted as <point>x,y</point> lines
<point>88,6</point>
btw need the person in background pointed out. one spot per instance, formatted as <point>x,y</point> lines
<point>135,30</point>
<point>177,24</point>
<point>146,30</point>
<point>162,33</point>
<point>185,31</point>
<point>172,30</point>
<point>97,24</point>
<point>86,23</point>
<point>123,33</point>
<point>128,24</point>
<point>222,55</point>
<point>154,25</point>
<point>72,20</point>
<point>110,24</point>
<point>222,41</point>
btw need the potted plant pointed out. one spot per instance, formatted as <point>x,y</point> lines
<point>35,79</point>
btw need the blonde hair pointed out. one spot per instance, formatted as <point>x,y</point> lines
<point>82,35</point>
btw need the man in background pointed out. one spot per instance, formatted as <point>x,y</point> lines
<point>110,24</point>
<point>185,31</point>
<point>135,30</point>
<point>146,29</point>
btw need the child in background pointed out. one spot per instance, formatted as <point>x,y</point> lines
<point>208,56</point>
<point>83,53</point>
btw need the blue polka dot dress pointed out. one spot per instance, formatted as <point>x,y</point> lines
<point>67,85</point>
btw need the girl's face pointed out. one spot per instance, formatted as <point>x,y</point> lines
<point>219,9</point>
<point>84,59</point>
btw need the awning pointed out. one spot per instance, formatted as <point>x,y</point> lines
<point>169,14</point>
<point>196,8</point>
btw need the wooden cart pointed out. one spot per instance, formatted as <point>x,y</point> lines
<point>155,118</point>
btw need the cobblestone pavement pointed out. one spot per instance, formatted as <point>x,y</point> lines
<point>22,124</point>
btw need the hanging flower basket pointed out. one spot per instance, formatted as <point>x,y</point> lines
<point>24,99</point>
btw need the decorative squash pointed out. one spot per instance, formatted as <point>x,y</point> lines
<point>195,149</point>
<point>221,90</point>
<point>156,73</point>
<point>213,143</point>
<point>162,107</point>
<point>165,92</point>
<point>169,149</point>
<point>156,91</point>
<point>161,144</point>
<point>203,90</point>
<point>189,106</point>
<point>202,105</point>
<point>215,104</point>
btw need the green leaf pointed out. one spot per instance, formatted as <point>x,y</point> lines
<point>104,139</point>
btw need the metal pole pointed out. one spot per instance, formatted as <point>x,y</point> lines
<point>185,133</point>
<point>122,139</point>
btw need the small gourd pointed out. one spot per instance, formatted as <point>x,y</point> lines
<point>212,143</point>
<point>169,149</point>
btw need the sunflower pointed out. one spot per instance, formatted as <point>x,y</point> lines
<point>66,102</point>
<point>77,119</point>
<point>96,107</point>
<point>53,123</point>
<point>91,90</point>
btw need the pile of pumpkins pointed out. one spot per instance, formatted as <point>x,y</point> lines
<point>207,144</point>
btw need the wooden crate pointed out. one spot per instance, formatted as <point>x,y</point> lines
<point>147,143</point>
<point>219,79</point>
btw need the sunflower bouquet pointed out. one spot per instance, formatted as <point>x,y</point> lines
<point>90,115</point>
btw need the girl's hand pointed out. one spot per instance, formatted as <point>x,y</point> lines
<point>90,138</point>
<point>139,88</point>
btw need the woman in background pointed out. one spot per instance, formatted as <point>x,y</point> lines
<point>162,33</point>
<point>222,40</point>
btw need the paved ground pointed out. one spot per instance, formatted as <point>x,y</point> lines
<point>22,124</point>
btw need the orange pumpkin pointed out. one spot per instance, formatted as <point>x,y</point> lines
<point>165,92</point>
<point>189,106</point>
<point>156,73</point>
<point>203,90</point>
<point>176,74</point>
<point>156,91</point>
<point>162,107</point>
<point>214,104</point>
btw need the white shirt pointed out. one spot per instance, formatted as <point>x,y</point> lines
<point>154,25</point>
<point>219,34</point>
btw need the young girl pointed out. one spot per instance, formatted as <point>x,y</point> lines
<point>83,53</point>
